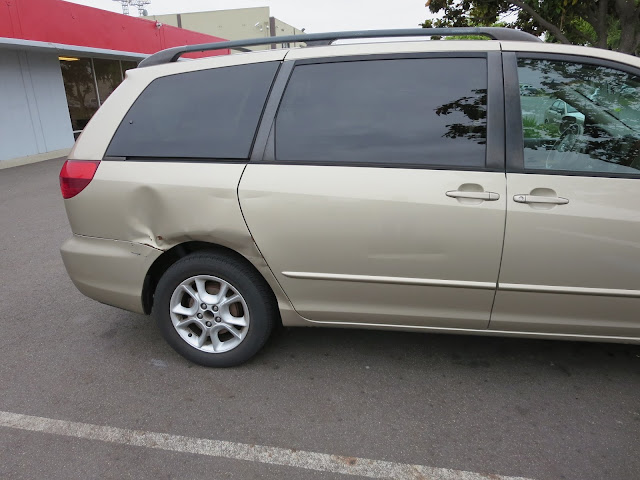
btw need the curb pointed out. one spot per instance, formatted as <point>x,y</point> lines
<point>40,157</point>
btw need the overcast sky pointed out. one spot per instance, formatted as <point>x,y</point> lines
<point>315,16</point>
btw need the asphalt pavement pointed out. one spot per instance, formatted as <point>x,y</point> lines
<point>537,409</point>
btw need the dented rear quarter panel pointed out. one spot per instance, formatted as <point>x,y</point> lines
<point>164,204</point>
<point>161,204</point>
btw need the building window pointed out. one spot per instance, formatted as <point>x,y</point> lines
<point>88,82</point>
<point>108,76</point>
<point>80,87</point>
<point>128,65</point>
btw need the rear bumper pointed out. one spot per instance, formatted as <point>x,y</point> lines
<point>109,271</point>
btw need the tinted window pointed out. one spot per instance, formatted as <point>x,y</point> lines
<point>600,130</point>
<point>205,114</point>
<point>409,111</point>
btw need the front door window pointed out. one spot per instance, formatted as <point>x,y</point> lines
<point>580,117</point>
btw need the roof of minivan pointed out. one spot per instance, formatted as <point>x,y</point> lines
<point>391,47</point>
<point>394,47</point>
<point>171,55</point>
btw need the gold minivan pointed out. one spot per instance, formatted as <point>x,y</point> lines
<point>394,185</point>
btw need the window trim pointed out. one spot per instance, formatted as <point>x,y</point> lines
<point>494,150</point>
<point>513,111</point>
<point>111,158</point>
<point>392,56</point>
<point>263,136</point>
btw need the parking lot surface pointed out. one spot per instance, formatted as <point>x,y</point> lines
<point>83,376</point>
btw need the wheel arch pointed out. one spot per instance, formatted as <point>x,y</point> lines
<point>171,256</point>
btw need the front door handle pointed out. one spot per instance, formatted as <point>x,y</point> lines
<point>540,199</point>
<point>487,196</point>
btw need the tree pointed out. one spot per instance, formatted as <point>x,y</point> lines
<point>613,24</point>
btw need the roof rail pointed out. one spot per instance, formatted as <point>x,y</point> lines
<point>496,33</point>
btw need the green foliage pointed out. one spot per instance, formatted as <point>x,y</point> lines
<point>587,34</point>
<point>466,37</point>
<point>532,129</point>
<point>529,121</point>
<point>613,41</point>
<point>615,26</point>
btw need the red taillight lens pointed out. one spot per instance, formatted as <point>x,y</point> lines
<point>76,175</point>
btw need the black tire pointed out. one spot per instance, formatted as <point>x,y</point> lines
<point>263,312</point>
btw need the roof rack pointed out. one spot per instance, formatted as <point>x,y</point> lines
<point>313,39</point>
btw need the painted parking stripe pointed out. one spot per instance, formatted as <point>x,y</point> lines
<point>363,467</point>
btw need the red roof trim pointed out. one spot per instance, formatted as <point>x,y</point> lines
<point>71,24</point>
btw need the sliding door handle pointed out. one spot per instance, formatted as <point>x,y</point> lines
<point>487,196</point>
<point>540,199</point>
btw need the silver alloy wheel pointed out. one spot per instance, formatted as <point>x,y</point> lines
<point>209,314</point>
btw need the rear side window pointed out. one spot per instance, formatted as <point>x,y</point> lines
<point>204,114</point>
<point>429,112</point>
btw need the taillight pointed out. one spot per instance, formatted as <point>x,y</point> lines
<point>76,175</point>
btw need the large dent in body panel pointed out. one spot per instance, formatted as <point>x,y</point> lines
<point>164,204</point>
<point>163,217</point>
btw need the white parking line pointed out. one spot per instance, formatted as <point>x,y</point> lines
<point>363,467</point>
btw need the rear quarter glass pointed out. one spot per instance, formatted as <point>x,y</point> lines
<point>210,113</point>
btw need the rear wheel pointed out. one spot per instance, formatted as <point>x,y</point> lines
<point>214,310</point>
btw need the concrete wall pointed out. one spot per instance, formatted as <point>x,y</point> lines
<point>286,29</point>
<point>34,117</point>
<point>235,24</point>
